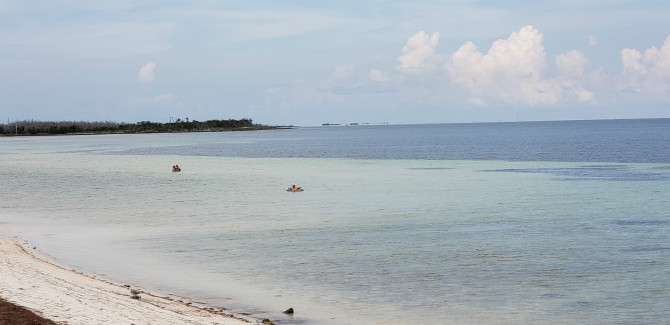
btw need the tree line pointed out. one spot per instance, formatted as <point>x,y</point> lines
<point>33,127</point>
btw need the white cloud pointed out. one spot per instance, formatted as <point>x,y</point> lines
<point>146,74</point>
<point>648,71</point>
<point>510,71</point>
<point>419,55</point>
<point>571,63</point>
<point>378,76</point>
<point>513,71</point>
<point>592,41</point>
<point>571,67</point>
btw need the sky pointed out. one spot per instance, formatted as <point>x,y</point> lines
<point>306,63</point>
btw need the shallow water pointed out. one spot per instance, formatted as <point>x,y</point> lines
<point>375,238</point>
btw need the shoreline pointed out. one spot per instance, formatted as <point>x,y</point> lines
<point>66,296</point>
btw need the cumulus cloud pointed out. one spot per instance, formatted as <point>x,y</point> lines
<point>571,68</point>
<point>419,54</point>
<point>146,74</point>
<point>571,63</point>
<point>378,76</point>
<point>510,71</point>
<point>648,71</point>
<point>592,40</point>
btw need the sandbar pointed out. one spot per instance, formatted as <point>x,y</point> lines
<point>69,297</point>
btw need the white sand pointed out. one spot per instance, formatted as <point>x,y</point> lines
<point>68,297</point>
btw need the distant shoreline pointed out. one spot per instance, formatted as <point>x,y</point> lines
<point>46,128</point>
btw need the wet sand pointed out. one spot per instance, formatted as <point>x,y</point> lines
<point>67,297</point>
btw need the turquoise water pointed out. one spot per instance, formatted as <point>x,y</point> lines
<point>369,241</point>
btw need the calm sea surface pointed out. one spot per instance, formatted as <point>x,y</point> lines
<point>491,223</point>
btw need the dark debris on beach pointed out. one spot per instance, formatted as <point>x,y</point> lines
<point>11,314</point>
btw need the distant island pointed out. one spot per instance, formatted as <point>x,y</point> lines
<point>83,127</point>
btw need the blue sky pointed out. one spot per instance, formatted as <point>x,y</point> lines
<point>312,62</point>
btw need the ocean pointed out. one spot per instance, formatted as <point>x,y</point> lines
<point>562,222</point>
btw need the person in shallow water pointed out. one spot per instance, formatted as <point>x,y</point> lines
<point>294,188</point>
<point>176,169</point>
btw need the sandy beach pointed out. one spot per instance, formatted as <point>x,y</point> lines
<point>68,297</point>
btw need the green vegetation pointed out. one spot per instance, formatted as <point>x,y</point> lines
<point>83,127</point>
